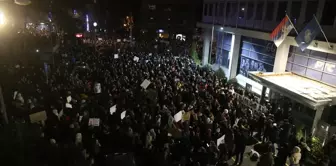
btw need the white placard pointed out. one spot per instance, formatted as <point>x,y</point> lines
<point>150,54</point>
<point>136,59</point>
<point>38,116</point>
<point>221,140</point>
<point>178,116</point>
<point>94,122</point>
<point>123,115</point>
<point>145,84</point>
<point>113,109</point>
<point>68,105</point>
<point>97,88</point>
<point>14,96</point>
<point>116,56</point>
<point>118,40</point>
<point>68,99</point>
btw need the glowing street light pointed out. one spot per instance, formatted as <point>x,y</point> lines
<point>2,18</point>
<point>95,24</point>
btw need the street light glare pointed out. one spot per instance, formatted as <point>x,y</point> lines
<point>95,24</point>
<point>2,18</point>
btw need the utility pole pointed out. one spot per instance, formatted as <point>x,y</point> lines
<point>128,24</point>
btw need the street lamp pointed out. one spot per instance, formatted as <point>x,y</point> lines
<point>95,24</point>
<point>2,18</point>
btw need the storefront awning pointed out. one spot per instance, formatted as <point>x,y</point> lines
<point>301,89</point>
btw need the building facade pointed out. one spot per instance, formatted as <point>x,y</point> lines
<point>170,17</point>
<point>236,37</point>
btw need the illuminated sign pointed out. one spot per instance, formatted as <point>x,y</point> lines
<point>328,67</point>
<point>181,37</point>
<point>79,35</point>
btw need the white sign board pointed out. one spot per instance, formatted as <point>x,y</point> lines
<point>150,54</point>
<point>113,109</point>
<point>221,140</point>
<point>37,117</point>
<point>97,88</point>
<point>136,59</point>
<point>123,115</point>
<point>178,116</point>
<point>116,56</point>
<point>145,84</point>
<point>118,40</point>
<point>68,105</point>
<point>94,122</point>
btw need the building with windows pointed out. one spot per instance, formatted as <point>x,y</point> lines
<point>236,37</point>
<point>167,17</point>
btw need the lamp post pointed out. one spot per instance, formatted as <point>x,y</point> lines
<point>128,24</point>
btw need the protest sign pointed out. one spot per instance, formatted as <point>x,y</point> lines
<point>37,117</point>
<point>97,88</point>
<point>178,116</point>
<point>116,56</point>
<point>221,140</point>
<point>123,115</point>
<point>118,40</point>
<point>68,99</point>
<point>136,59</point>
<point>145,84</point>
<point>14,96</point>
<point>113,109</point>
<point>94,122</point>
<point>150,54</point>
<point>68,105</point>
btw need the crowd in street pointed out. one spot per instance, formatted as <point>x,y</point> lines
<point>100,114</point>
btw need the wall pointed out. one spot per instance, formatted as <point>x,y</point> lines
<point>264,15</point>
<point>313,64</point>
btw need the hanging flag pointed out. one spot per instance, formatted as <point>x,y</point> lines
<point>308,34</point>
<point>280,33</point>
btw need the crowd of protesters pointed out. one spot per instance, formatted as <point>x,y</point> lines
<point>86,84</point>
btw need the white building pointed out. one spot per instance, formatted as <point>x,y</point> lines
<point>237,32</point>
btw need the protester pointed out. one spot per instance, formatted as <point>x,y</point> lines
<point>99,112</point>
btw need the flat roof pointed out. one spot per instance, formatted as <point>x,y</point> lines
<point>302,89</point>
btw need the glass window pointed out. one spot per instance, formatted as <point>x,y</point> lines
<point>331,58</point>
<point>329,11</point>
<point>289,67</point>
<point>295,12</point>
<point>318,55</point>
<point>281,11</point>
<point>269,11</point>
<point>316,64</point>
<point>221,9</point>
<point>328,78</point>
<point>301,60</point>
<point>205,10</point>
<point>228,10</point>
<point>299,69</point>
<point>210,9</point>
<point>234,7</point>
<point>314,74</point>
<point>259,11</point>
<point>250,10</point>
<point>311,10</point>
<point>242,9</point>
<point>330,68</point>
